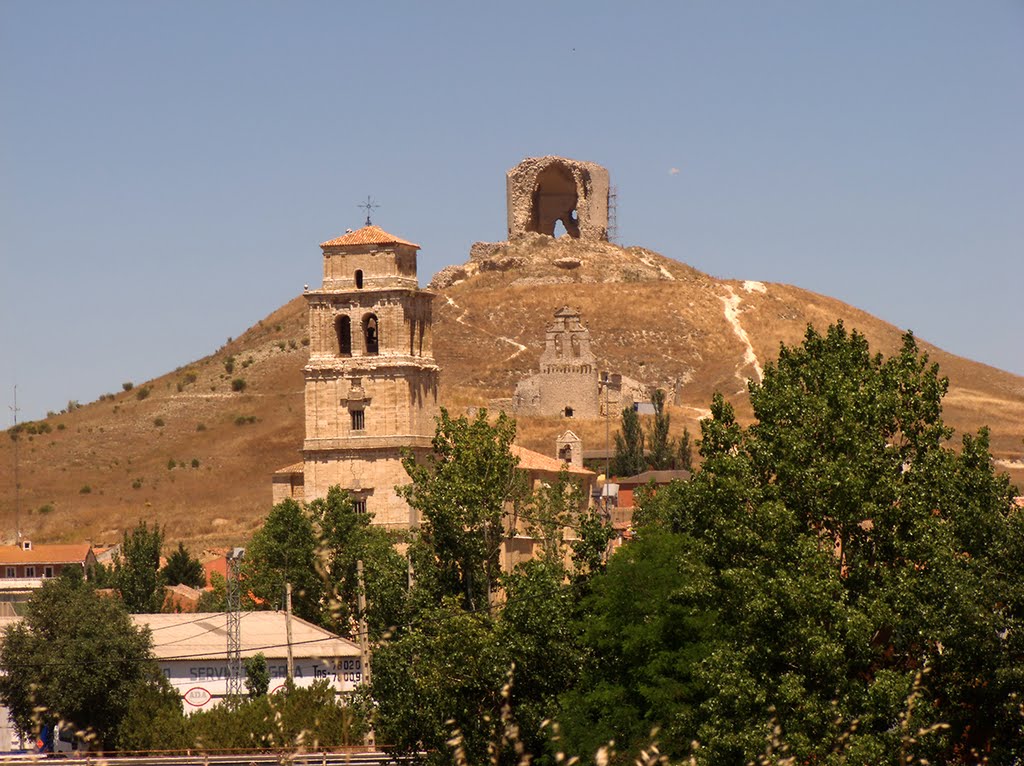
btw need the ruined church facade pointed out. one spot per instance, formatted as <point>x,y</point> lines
<point>569,383</point>
<point>371,383</point>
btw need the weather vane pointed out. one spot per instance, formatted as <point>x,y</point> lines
<point>369,206</point>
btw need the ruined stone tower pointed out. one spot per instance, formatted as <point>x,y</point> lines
<point>371,381</point>
<point>541,191</point>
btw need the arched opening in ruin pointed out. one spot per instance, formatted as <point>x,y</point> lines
<point>343,329</point>
<point>554,201</point>
<point>359,279</point>
<point>568,412</point>
<point>371,335</point>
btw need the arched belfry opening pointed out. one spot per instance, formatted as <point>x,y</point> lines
<point>371,334</point>
<point>359,279</point>
<point>554,201</point>
<point>343,329</point>
<point>549,193</point>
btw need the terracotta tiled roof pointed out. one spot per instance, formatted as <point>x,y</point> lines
<point>293,468</point>
<point>658,477</point>
<point>368,235</point>
<point>534,461</point>
<point>44,554</point>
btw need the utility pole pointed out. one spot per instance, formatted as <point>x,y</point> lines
<point>607,441</point>
<point>288,628</point>
<point>370,738</point>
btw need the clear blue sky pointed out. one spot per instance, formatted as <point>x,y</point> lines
<point>167,169</point>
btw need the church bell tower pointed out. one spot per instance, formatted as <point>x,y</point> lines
<point>371,381</point>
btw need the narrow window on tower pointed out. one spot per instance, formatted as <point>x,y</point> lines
<point>358,421</point>
<point>359,279</point>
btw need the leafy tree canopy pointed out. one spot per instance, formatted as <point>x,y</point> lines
<point>460,492</point>
<point>75,657</point>
<point>347,537</point>
<point>137,569</point>
<point>284,550</point>
<point>818,561</point>
<point>182,569</point>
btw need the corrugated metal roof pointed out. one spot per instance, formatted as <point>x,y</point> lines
<point>203,635</point>
<point>368,235</point>
<point>44,554</point>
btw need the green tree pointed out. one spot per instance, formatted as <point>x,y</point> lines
<point>311,717</point>
<point>215,599</point>
<point>444,672</point>
<point>76,657</point>
<point>684,452</point>
<point>257,675</point>
<point>548,511</point>
<point>347,537</point>
<point>663,450</point>
<point>629,446</point>
<point>137,569</point>
<point>154,720</point>
<point>447,667</point>
<point>284,551</point>
<point>182,569</point>
<point>817,561</point>
<point>460,492</point>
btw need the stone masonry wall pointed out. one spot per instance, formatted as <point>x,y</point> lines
<point>541,191</point>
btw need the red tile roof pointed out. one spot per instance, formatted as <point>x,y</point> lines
<point>534,461</point>
<point>368,235</point>
<point>44,554</point>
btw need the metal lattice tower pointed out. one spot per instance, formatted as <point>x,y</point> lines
<point>234,620</point>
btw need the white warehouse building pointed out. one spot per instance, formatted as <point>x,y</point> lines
<point>191,651</point>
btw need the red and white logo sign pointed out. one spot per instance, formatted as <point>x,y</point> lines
<point>197,696</point>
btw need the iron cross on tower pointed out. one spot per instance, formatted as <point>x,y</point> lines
<point>369,206</point>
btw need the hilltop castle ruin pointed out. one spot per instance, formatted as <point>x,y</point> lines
<point>543,191</point>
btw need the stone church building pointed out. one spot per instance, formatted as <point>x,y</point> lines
<point>371,383</point>
<point>569,384</point>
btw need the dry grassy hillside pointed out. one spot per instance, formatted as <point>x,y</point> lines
<point>651,318</point>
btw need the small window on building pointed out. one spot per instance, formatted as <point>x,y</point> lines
<point>359,505</point>
<point>565,454</point>
<point>11,572</point>
<point>48,572</point>
<point>568,412</point>
<point>358,421</point>
<point>30,571</point>
<point>359,279</point>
